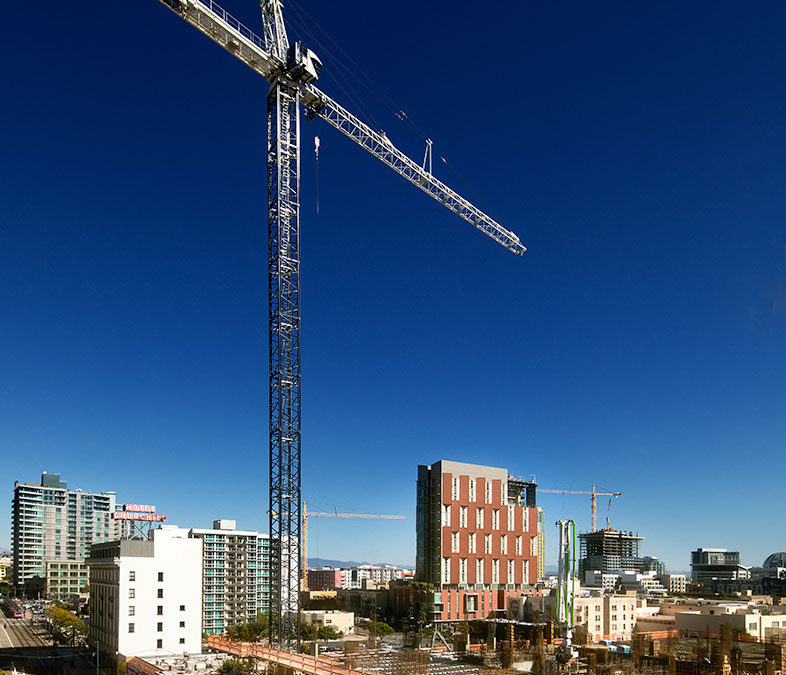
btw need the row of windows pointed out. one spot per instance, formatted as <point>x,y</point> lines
<point>132,593</point>
<point>472,485</point>
<point>455,544</point>
<point>480,517</point>
<point>132,576</point>
<point>480,569</point>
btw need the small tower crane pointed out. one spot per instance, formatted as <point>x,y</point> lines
<point>291,70</point>
<point>593,502</point>
<point>327,514</point>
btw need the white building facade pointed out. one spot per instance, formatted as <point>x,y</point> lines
<point>146,595</point>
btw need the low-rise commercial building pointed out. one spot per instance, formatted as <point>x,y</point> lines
<point>674,583</point>
<point>146,595</point>
<point>343,622</point>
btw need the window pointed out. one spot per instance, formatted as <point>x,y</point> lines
<point>160,610</point>
<point>488,491</point>
<point>472,543</point>
<point>495,571</point>
<point>533,546</point>
<point>182,641</point>
<point>518,545</point>
<point>511,517</point>
<point>131,610</point>
<point>494,519</point>
<point>160,593</point>
<point>131,575</point>
<point>454,542</point>
<point>525,572</point>
<point>182,608</point>
<point>130,627</point>
<point>446,515</point>
<point>503,544</point>
<point>480,519</point>
<point>488,544</point>
<point>504,490</point>
<point>511,572</point>
<point>462,570</point>
<point>182,624</point>
<point>479,577</point>
<point>455,487</point>
<point>160,576</point>
<point>159,644</point>
<point>525,519</point>
<point>472,489</point>
<point>462,516</point>
<point>445,570</point>
<point>131,593</point>
<point>159,627</point>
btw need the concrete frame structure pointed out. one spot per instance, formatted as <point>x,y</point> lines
<point>146,595</point>
<point>609,551</point>
<point>476,537</point>
<point>51,522</point>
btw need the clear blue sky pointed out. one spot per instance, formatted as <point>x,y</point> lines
<point>639,151</point>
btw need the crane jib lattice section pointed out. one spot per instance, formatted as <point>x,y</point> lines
<point>300,662</point>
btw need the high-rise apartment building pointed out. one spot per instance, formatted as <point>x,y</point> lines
<point>476,537</point>
<point>235,575</point>
<point>51,522</point>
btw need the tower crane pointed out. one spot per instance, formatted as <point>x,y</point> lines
<point>594,501</point>
<point>327,514</point>
<point>291,70</point>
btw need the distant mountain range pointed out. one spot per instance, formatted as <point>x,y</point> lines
<point>327,562</point>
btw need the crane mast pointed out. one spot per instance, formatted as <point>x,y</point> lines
<point>291,70</point>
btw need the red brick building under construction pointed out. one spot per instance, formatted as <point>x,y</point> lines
<point>476,538</point>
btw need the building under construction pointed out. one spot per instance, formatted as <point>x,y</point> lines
<point>610,550</point>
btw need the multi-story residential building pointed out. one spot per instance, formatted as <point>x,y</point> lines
<point>476,537</point>
<point>145,595</point>
<point>235,576</point>
<point>609,551</point>
<point>65,578</point>
<point>708,564</point>
<point>541,545</point>
<point>51,522</point>
<point>674,583</point>
<point>602,617</point>
<point>325,579</point>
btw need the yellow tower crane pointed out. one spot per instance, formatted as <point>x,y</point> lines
<point>327,514</point>
<point>595,494</point>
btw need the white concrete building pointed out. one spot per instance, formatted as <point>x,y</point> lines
<point>146,595</point>
<point>341,621</point>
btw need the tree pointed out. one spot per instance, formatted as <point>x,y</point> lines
<point>65,619</point>
<point>383,629</point>
<point>235,667</point>
<point>34,587</point>
<point>329,633</point>
<point>250,632</point>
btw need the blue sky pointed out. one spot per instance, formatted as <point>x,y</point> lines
<point>637,150</point>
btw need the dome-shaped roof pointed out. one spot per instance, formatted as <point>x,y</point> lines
<point>776,560</point>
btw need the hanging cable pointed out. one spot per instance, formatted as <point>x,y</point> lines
<point>316,167</point>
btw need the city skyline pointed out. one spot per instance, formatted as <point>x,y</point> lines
<point>638,344</point>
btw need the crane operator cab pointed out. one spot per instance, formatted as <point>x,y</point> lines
<point>303,65</point>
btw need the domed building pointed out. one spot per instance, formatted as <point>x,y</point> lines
<point>775,560</point>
